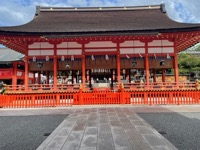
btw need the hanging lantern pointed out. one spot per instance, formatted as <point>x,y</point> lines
<point>72,58</point>
<point>168,56</point>
<point>155,56</point>
<point>62,58</point>
<point>47,58</point>
<point>140,55</point>
<point>127,56</point>
<point>92,57</point>
<point>106,57</point>
<point>34,58</point>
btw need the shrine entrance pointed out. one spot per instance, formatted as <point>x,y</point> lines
<point>101,71</point>
<point>101,78</point>
<point>101,75</point>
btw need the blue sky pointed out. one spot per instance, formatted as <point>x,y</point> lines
<point>17,12</point>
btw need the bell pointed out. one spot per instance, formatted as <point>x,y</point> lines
<point>134,63</point>
<point>40,65</point>
<point>67,66</point>
<point>162,62</point>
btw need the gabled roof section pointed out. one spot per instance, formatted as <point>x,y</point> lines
<point>95,20</point>
<point>9,55</point>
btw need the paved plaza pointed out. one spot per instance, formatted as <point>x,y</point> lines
<point>105,127</point>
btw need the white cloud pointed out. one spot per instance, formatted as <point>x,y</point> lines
<point>51,4</point>
<point>12,13</point>
<point>182,13</point>
<point>171,12</point>
<point>193,6</point>
<point>77,3</point>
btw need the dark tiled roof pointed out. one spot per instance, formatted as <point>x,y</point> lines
<point>77,21</point>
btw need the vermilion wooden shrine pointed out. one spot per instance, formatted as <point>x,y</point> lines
<point>12,67</point>
<point>83,50</point>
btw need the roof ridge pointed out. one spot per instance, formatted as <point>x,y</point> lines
<point>147,7</point>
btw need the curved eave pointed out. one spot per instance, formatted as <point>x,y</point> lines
<point>96,33</point>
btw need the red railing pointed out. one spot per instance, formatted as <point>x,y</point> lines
<point>38,88</point>
<point>177,97</point>
<point>99,97</point>
<point>37,100</point>
<point>160,85</point>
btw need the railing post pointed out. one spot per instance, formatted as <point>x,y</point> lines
<point>145,98</point>
<point>57,99</point>
<point>33,100</point>
<point>81,95</point>
<point>122,94</point>
<point>178,94</point>
<point>196,98</point>
<point>197,93</point>
<point>170,98</point>
<point>7,101</point>
<point>2,100</point>
<point>197,84</point>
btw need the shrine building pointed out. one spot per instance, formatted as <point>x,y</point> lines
<point>101,47</point>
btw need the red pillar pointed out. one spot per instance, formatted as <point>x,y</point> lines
<point>26,69</point>
<point>163,75</point>
<point>118,65</point>
<point>112,78</point>
<point>147,64</point>
<point>154,75</point>
<point>39,77</point>
<point>33,77</point>
<point>72,76</point>
<point>14,76</point>
<point>47,77</point>
<point>90,82</point>
<point>83,66</point>
<point>129,72</point>
<point>55,67</point>
<point>176,67</point>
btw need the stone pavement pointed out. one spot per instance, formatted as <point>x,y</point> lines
<point>106,128</point>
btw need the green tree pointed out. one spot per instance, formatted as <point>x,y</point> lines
<point>188,63</point>
<point>194,48</point>
<point>197,48</point>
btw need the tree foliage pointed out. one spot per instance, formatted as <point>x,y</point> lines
<point>197,48</point>
<point>194,48</point>
<point>188,63</point>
